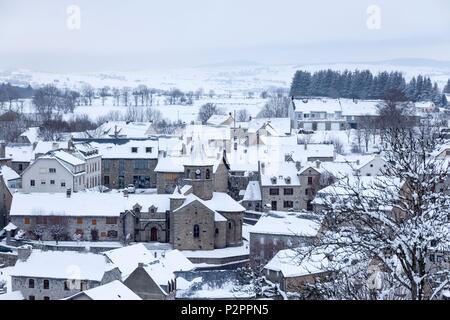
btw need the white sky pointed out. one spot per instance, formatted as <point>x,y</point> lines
<point>118,34</point>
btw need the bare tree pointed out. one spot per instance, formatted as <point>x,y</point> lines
<point>88,93</point>
<point>104,93</point>
<point>207,110</point>
<point>242,115</point>
<point>276,107</point>
<point>125,95</point>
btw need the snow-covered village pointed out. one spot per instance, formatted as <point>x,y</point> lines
<point>294,179</point>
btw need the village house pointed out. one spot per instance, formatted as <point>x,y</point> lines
<point>5,199</point>
<point>277,230</point>
<point>114,290</point>
<point>56,171</point>
<point>127,162</point>
<point>220,120</point>
<point>68,273</point>
<point>93,160</point>
<point>21,156</point>
<point>150,273</point>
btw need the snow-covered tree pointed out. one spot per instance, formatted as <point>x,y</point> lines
<point>395,223</point>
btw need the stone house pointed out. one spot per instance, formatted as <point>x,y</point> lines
<point>68,273</point>
<point>128,162</point>
<point>5,201</point>
<point>277,230</point>
<point>20,155</point>
<point>291,274</point>
<point>281,187</point>
<point>310,183</point>
<point>252,199</point>
<point>114,290</point>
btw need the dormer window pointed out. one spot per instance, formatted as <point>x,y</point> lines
<point>134,149</point>
<point>287,180</point>
<point>273,180</point>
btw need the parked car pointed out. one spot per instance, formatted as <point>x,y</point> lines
<point>131,188</point>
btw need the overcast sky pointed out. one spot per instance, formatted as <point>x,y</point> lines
<point>128,35</point>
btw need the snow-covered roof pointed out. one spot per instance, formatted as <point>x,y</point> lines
<point>128,258</point>
<point>171,164</point>
<point>124,129</point>
<point>281,126</point>
<point>218,119</point>
<point>20,153</point>
<point>31,134</point>
<point>10,226</point>
<point>114,290</point>
<point>290,264</point>
<point>87,204</point>
<point>287,223</point>
<point>208,132</point>
<point>347,107</point>
<point>8,173</point>
<point>125,150</point>
<point>68,158</point>
<point>280,174</point>
<point>63,265</point>
<point>252,192</point>
<point>42,147</point>
<point>198,155</point>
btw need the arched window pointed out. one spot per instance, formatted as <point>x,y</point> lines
<point>217,230</point>
<point>208,174</point>
<point>188,173</point>
<point>229,225</point>
<point>196,231</point>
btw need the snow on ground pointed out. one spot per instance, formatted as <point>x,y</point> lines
<point>5,275</point>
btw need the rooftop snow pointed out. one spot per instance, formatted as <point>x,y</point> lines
<point>252,192</point>
<point>125,150</point>
<point>287,223</point>
<point>347,107</point>
<point>114,290</point>
<point>63,265</point>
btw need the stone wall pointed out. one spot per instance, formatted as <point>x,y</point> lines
<point>8,259</point>
<point>112,171</point>
<point>296,197</point>
<point>167,181</point>
<point>182,227</point>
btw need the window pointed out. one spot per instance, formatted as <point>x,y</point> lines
<point>306,192</point>
<point>46,284</point>
<point>79,220</point>
<point>63,183</point>
<point>134,149</point>
<point>208,174</point>
<point>83,285</point>
<point>94,222</point>
<point>196,231</point>
<point>31,283</point>
<point>20,167</point>
<point>105,164</point>
<point>229,225</point>
<point>274,191</point>
<point>111,220</point>
<point>188,173</point>
<point>112,234</point>
<point>217,230</point>
<point>432,257</point>
<point>141,164</point>
<point>46,298</point>
<point>31,298</point>
<point>26,220</point>
<point>67,285</point>
<point>32,183</point>
<point>42,182</point>
<point>148,149</point>
<point>288,204</point>
<point>52,182</point>
<point>52,170</point>
<point>288,191</point>
<point>106,180</point>
<point>310,180</point>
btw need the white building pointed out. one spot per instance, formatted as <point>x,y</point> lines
<point>55,172</point>
<point>86,152</point>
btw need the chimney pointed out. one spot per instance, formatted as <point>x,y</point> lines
<point>140,265</point>
<point>68,192</point>
<point>2,149</point>
<point>24,252</point>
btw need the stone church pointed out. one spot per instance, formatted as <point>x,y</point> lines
<point>195,216</point>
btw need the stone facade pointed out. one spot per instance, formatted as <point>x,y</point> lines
<point>141,283</point>
<point>282,198</point>
<point>264,247</point>
<point>58,288</point>
<point>5,202</point>
<point>119,173</point>
<point>166,182</point>
<point>89,228</point>
<point>310,184</point>
<point>293,284</point>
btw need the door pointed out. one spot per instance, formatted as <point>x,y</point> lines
<point>154,234</point>
<point>274,205</point>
